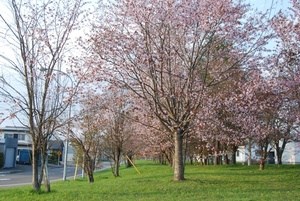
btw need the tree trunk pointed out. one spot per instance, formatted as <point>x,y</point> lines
<point>117,163</point>
<point>178,156</point>
<point>191,160</point>
<point>90,177</point>
<point>44,168</point>
<point>169,157</point>
<point>205,159</point>
<point>249,151</point>
<point>279,151</point>
<point>216,157</point>
<point>116,168</point>
<point>185,149</point>
<point>128,164</point>
<point>262,164</point>
<point>35,175</point>
<point>233,155</point>
<point>225,159</point>
<point>161,158</point>
<point>46,176</point>
<point>264,153</point>
<point>279,160</point>
<point>89,167</point>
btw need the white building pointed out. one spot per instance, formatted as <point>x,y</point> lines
<point>20,133</point>
<point>291,154</point>
<point>24,141</point>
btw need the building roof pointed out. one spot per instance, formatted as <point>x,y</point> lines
<point>55,144</point>
<point>14,129</point>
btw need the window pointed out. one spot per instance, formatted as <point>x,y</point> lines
<point>8,135</point>
<point>15,135</point>
<point>238,153</point>
<point>21,137</point>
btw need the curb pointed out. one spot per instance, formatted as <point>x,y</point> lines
<point>10,172</point>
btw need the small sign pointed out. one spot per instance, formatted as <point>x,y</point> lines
<point>59,153</point>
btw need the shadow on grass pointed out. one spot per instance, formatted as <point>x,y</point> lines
<point>42,192</point>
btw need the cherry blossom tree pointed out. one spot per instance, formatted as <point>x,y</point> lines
<point>170,52</point>
<point>255,114</point>
<point>87,137</point>
<point>37,34</point>
<point>119,128</point>
<point>285,70</point>
<point>219,128</point>
<point>155,141</point>
<point>110,110</point>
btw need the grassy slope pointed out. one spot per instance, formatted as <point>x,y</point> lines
<point>155,183</point>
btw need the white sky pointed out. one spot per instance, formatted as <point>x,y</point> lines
<point>260,4</point>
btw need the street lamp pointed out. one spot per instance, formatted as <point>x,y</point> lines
<point>68,132</point>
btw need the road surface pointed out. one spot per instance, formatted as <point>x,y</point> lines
<point>22,174</point>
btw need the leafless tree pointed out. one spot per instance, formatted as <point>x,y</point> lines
<point>37,35</point>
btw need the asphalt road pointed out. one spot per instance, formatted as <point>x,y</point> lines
<point>22,174</point>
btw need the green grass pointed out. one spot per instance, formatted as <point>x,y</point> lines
<point>155,183</point>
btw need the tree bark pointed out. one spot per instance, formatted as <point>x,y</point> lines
<point>280,150</point>
<point>226,159</point>
<point>128,164</point>
<point>90,177</point>
<point>262,164</point>
<point>161,159</point>
<point>249,152</point>
<point>89,167</point>
<point>46,176</point>
<point>116,168</point>
<point>178,156</point>
<point>116,171</point>
<point>233,154</point>
<point>191,160</point>
<point>169,157</point>
<point>264,153</point>
<point>35,175</point>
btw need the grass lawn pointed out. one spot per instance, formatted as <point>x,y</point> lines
<point>155,183</point>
